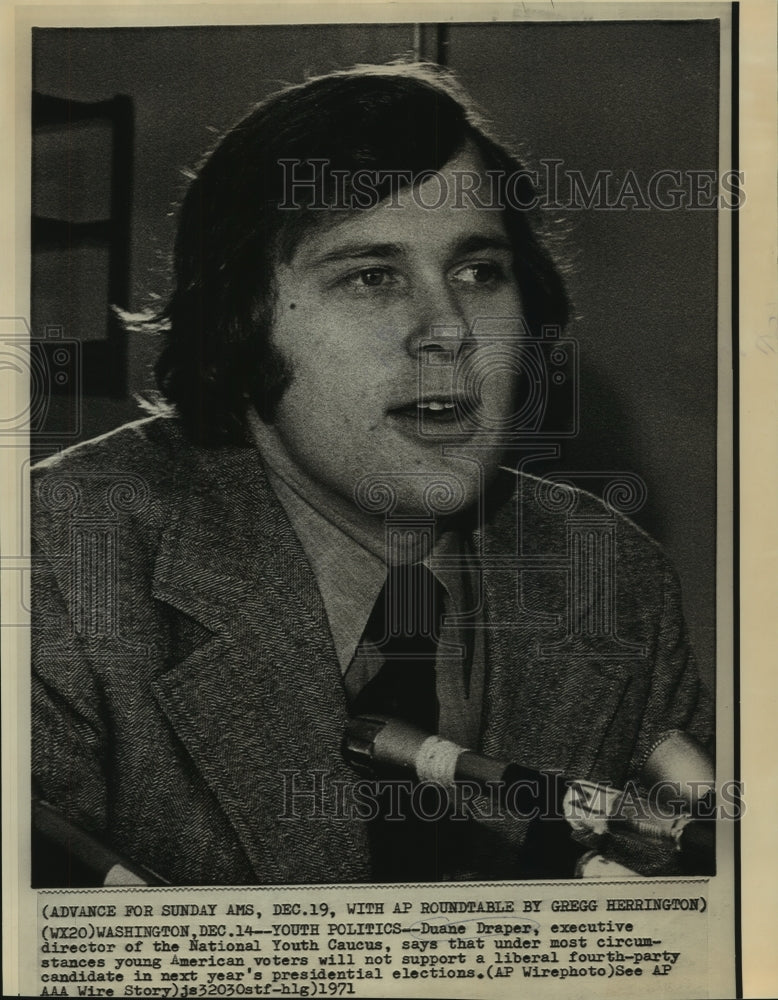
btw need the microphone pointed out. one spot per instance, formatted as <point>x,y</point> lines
<point>679,770</point>
<point>65,855</point>
<point>676,766</point>
<point>378,743</point>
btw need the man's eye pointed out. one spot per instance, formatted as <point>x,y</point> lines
<point>371,277</point>
<point>480,273</point>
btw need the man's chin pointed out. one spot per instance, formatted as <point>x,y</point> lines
<point>442,489</point>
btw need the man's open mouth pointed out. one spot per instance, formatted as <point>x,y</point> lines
<point>430,411</point>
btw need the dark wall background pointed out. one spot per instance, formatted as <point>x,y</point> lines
<point>639,96</point>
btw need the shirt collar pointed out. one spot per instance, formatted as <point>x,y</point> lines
<point>350,577</point>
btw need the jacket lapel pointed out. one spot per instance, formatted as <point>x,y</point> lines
<point>540,710</point>
<point>265,691</point>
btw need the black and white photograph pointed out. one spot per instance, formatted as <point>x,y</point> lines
<point>379,500</point>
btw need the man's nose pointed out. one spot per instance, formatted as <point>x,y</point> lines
<point>437,321</point>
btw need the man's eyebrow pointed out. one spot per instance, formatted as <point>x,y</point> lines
<point>358,251</point>
<point>478,242</point>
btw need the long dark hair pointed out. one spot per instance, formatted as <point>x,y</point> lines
<point>217,355</point>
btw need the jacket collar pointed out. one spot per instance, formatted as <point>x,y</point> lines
<point>266,687</point>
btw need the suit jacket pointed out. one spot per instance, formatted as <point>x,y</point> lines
<point>188,705</point>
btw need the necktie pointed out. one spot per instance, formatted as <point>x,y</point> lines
<point>430,842</point>
<point>404,627</point>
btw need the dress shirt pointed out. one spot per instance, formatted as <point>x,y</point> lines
<point>350,578</point>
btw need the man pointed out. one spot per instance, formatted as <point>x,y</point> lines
<point>329,519</point>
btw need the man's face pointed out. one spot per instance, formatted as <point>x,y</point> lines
<point>358,308</point>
